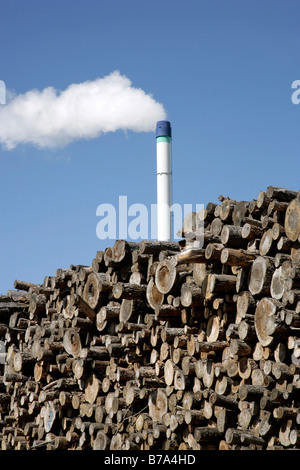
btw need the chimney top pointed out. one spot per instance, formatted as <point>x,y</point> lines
<point>163,129</point>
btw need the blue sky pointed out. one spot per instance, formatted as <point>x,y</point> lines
<point>223,72</point>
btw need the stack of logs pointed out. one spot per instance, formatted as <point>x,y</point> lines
<point>163,345</point>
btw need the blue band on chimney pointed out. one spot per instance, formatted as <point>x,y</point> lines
<point>163,129</point>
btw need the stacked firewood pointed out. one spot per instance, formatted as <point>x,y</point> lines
<point>163,345</point>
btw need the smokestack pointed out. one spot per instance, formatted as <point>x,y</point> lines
<point>164,180</point>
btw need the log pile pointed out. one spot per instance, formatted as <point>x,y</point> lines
<point>163,345</point>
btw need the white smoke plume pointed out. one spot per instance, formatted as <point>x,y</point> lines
<point>51,118</point>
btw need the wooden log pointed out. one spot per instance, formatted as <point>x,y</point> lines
<point>242,276</point>
<point>226,209</point>
<point>275,329</point>
<point>246,331</point>
<point>91,389</point>
<point>239,212</point>
<point>278,284</point>
<point>228,403</point>
<point>281,371</point>
<point>95,289</point>
<point>277,231</point>
<point>261,275</point>
<point>191,294</point>
<point>194,417</point>
<point>72,342</point>
<point>212,346</point>
<point>130,309</point>
<point>231,237</point>
<point>251,231</point>
<point>284,244</point>
<point>285,432</point>
<point>245,306</point>
<point>295,253</point>
<point>276,206</point>
<point>242,436</point>
<point>266,307</point>
<point>181,381</point>
<point>294,438</point>
<point>107,314</point>
<point>233,257</point>
<point>284,412</point>
<point>128,291</point>
<point>23,362</point>
<point>152,247</point>
<point>225,419</point>
<point>158,405</point>
<point>169,371</point>
<point>37,305</point>
<point>163,312</point>
<point>22,285</point>
<point>219,284</point>
<point>192,221</point>
<point>213,330</point>
<point>216,226</point>
<point>281,194</point>
<point>246,367</point>
<point>153,295</point>
<point>122,250</point>
<point>165,276</point>
<point>267,243</point>
<point>207,434</point>
<point>263,200</point>
<point>50,416</point>
<point>169,334</point>
<point>240,348</point>
<point>292,219</point>
<point>189,255</point>
<point>206,372</point>
<point>213,251</point>
<point>267,222</point>
<point>83,306</point>
<point>250,392</point>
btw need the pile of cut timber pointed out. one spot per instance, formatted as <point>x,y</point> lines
<point>163,345</point>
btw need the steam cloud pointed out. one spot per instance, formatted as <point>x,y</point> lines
<point>49,118</point>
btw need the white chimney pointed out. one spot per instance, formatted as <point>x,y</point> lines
<point>164,180</point>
